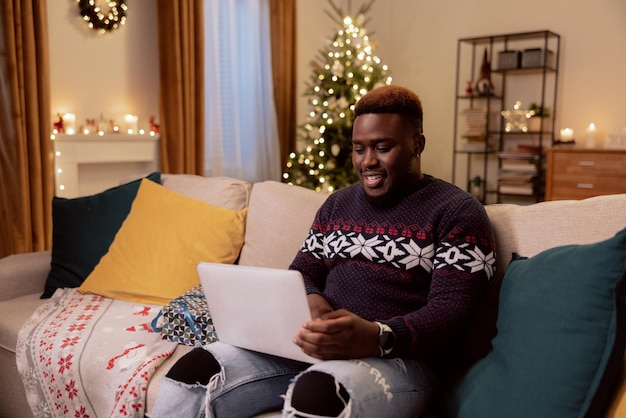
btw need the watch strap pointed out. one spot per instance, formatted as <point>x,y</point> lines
<point>385,345</point>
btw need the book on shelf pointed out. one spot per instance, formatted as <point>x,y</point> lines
<point>474,144</point>
<point>518,155</point>
<point>525,189</point>
<point>515,177</point>
<point>512,164</point>
<point>476,122</point>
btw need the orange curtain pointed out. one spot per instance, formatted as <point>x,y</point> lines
<point>26,160</point>
<point>283,33</point>
<point>181,45</point>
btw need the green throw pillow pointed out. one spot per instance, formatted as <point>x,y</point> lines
<point>561,336</point>
<point>82,231</point>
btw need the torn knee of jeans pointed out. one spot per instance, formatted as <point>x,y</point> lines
<point>214,381</point>
<point>190,386</point>
<point>197,366</point>
<point>315,394</point>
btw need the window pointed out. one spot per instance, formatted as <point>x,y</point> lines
<point>241,129</point>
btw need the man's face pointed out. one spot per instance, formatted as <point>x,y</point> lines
<point>383,149</point>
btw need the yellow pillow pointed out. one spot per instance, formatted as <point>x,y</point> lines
<point>154,255</point>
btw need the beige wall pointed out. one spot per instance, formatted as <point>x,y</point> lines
<point>418,40</point>
<point>118,73</point>
<point>110,74</point>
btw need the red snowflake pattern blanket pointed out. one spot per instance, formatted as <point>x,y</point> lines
<point>89,356</point>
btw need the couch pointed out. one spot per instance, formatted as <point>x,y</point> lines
<point>278,218</point>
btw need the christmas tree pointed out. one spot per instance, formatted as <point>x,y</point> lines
<point>342,73</point>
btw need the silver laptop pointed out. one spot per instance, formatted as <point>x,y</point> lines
<point>256,308</point>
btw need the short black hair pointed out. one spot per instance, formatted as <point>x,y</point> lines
<point>393,99</point>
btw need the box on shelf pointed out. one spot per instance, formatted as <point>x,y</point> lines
<point>509,59</point>
<point>534,57</point>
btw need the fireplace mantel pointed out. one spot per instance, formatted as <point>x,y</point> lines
<point>86,164</point>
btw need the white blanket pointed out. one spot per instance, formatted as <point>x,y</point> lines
<point>89,356</point>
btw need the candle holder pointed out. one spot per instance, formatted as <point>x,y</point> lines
<point>130,123</point>
<point>590,136</point>
<point>69,123</point>
<point>566,137</point>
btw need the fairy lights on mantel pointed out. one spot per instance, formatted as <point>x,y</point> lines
<point>110,147</point>
<point>66,124</point>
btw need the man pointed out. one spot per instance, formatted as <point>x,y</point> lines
<point>394,268</point>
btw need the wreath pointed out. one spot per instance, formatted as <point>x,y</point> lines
<point>99,20</point>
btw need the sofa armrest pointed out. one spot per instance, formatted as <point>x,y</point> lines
<point>23,274</point>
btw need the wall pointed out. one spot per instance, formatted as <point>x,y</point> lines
<point>117,73</point>
<point>418,40</point>
<point>109,74</point>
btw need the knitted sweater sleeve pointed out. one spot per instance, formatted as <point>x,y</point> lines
<point>463,265</point>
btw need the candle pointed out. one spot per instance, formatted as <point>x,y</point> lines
<point>69,123</point>
<point>131,123</point>
<point>567,134</point>
<point>591,135</point>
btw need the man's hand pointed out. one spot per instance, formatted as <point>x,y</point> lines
<point>339,335</point>
<point>318,305</point>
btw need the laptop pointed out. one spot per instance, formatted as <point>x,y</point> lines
<point>256,308</point>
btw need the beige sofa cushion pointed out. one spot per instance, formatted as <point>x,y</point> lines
<point>531,229</point>
<point>273,233</point>
<point>14,312</point>
<point>224,192</point>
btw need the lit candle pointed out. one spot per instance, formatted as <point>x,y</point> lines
<point>567,134</point>
<point>131,123</point>
<point>69,123</point>
<point>591,135</point>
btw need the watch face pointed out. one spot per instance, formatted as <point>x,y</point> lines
<point>383,340</point>
<point>386,340</point>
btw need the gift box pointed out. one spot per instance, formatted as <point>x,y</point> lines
<point>186,320</point>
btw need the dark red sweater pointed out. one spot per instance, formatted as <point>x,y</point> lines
<point>421,265</point>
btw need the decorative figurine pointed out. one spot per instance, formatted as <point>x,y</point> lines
<point>154,127</point>
<point>484,85</point>
<point>58,125</point>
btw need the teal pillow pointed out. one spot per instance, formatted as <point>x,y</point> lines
<point>82,231</point>
<point>561,336</point>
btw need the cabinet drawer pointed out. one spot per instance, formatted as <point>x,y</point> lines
<point>583,163</point>
<point>581,187</point>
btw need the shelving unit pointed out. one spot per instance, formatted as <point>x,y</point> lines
<point>508,161</point>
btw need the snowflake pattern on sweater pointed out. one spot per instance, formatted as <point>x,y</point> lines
<point>403,252</point>
<point>421,266</point>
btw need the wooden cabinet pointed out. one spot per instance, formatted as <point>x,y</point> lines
<point>578,173</point>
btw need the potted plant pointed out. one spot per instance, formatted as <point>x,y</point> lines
<point>536,113</point>
<point>476,187</point>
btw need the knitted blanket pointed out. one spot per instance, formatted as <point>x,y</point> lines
<point>89,356</point>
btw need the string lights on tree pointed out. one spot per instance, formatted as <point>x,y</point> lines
<point>342,74</point>
<point>100,20</point>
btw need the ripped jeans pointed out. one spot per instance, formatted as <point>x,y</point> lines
<point>251,383</point>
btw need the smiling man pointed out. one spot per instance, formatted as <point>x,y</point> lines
<point>387,142</point>
<point>394,267</point>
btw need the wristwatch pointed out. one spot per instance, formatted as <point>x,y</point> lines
<point>386,339</point>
